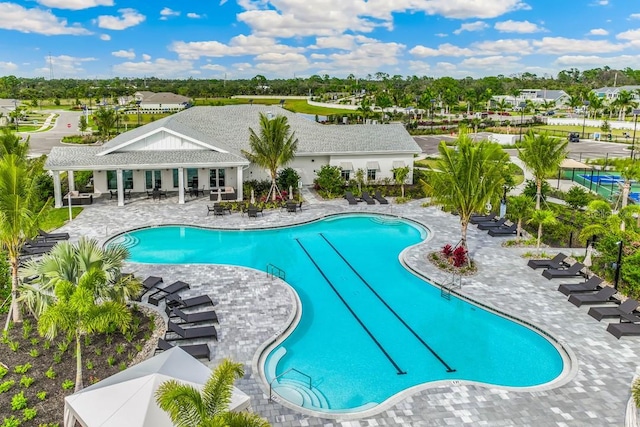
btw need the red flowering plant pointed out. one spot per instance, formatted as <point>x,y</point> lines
<point>447,250</point>
<point>459,256</point>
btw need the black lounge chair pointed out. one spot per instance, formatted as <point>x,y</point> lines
<point>555,262</point>
<point>626,307</point>
<point>503,230</point>
<point>477,219</point>
<point>161,293</point>
<point>624,329</point>
<point>197,317</point>
<point>291,207</point>
<point>367,198</point>
<point>198,351</point>
<point>53,236</point>
<point>37,250</point>
<point>39,243</point>
<point>174,300</point>
<point>575,288</point>
<point>602,296</point>
<point>189,333</point>
<point>573,270</point>
<point>148,284</point>
<point>349,196</point>
<point>218,210</point>
<point>380,199</point>
<point>491,224</point>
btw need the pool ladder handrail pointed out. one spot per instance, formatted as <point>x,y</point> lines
<point>445,289</point>
<point>285,373</point>
<point>275,271</point>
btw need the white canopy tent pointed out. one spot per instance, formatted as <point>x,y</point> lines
<point>128,397</point>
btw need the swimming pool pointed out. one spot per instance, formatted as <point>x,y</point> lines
<point>369,329</point>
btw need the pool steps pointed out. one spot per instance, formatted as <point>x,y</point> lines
<point>312,398</point>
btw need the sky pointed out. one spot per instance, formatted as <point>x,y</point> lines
<point>232,39</point>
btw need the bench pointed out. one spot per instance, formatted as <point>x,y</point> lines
<point>226,193</point>
<point>77,199</point>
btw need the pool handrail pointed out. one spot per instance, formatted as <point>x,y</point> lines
<point>275,271</point>
<point>283,374</point>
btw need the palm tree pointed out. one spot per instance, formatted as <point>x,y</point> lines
<point>519,209</point>
<point>542,217</point>
<point>400,176</point>
<point>629,171</point>
<point>274,147</point>
<point>542,155</point>
<point>10,143</point>
<point>624,101</point>
<point>77,313</point>
<point>19,217</point>
<point>467,177</point>
<point>187,406</point>
<point>105,119</point>
<point>68,263</point>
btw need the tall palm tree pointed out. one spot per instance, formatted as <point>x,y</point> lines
<point>629,171</point>
<point>467,177</point>
<point>68,262</point>
<point>542,155</point>
<point>187,406</point>
<point>10,143</point>
<point>518,209</point>
<point>19,217</point>
<point>275,146</point>
<point>77,313</point>
<point>542,217</point>
<point>623,101</point>
<point>400,176</point>
<point>105,119</point>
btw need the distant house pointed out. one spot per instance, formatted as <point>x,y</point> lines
<point>611,93</point>
<point>161,102</point>
<point>536,96</point>
<point>202,147</point>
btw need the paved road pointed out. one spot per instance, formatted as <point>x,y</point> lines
<point>42,142</point>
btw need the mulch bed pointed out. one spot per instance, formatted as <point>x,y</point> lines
<point>102,355</point>
<point>438,259</point>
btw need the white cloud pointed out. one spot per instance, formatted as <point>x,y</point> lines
<point>489,61</point>
<point>441,35</point>
<point>598,32</point>
<point>634,16</point>
<point>129,18</point>
<point>8,66</point>
<point>160,67</point>
<point>318,56</point>
<point>65,65</point>
<point>631,35</point>
<point>562,45</point>
<point>146,57</point>
<point>129,54</point>
<point>419,67</point>
<point>238,46</point>
<point>472,26</point>
<point>343,42</point>
<point>166,13</point>
<point>213,67</point>
<point>193,15</point>
<point>105,37</point>
<point>502,46</point>
<point>75,4</point>
<point>522,27</point>
<point>446,49</point>
<point>593,61</point>
<point>368,56</point>
<point>602,2</point>
<point>283,64</point>
<point>18,18</point>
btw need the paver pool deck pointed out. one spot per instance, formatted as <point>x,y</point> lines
<point>252,308</point>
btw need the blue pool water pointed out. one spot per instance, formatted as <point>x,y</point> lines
<point>369,328</point>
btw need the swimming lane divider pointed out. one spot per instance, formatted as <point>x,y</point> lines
<point>355,316</point>
<point>415,334</point>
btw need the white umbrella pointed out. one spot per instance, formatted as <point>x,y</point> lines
<point>587,259</point>
<point>219,195</point>
<point>290,193</point>
<point>253,197</point>
<point>503,208</point>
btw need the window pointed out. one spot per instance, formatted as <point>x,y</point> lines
<point>345,175</point>
<point>371,174</point>
<point>192,174</point>
<point>152,179</point>
<point>112,180</point>
<point>176,179</point>
<point>216,178</point>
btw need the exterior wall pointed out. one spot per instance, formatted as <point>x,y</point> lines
<point>385,162</point>
<point>162,141</point>
<point>161,108</point>
<point>308,167</point>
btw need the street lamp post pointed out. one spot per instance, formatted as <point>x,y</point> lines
<point>635,125</point>
<point>617,275</point>
<point>584,116</point>
<point>15,112</point>
<point>522,105</point>
<point>433,101</point>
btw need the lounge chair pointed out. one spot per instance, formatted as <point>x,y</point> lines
<point>253,211</point>
<point>53,236</point>
<point>37,250</point>
<point>367,198</point>
<point>491,224</point>
<point>291,207</point>
<point>197,317</point>
<point>555,262</point>
<point>575,288</point>
<point>148,284</point>
<point>602,296</point>
<point>503,230</point>
<point>624,329</point>
<point>173,288</point>
<point>349,196</point>
<point>477,219</point>
<point>218,210</point>
<point>626,307</point>
<point>174,300</point>
<point>189,333</point>
<point>572,271</point>
<point>380,199</point>
<point>39,243</point>
<point>195,350</point>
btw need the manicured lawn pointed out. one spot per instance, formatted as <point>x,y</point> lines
<point>426,163</point>
<point>295,105</point>
<point>56,218</point>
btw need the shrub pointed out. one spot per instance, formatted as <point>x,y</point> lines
<point>29,414</point>
<point>34,352</point>
<point>89,364</point>
<point>34,341</point>
<point>27,327</point>
<point>46,345</point>
<point>12,421</point>
<point>22,369</point>
<point>122,366</point>
<point>6,386</point>
<point>288,177</point>
<point>26,381</point>
<point>57,358</point>
<point>93,380</point>
<point>98,351</point>
<point>68,384</point>
<point>119,349</point>
<point>459,256</point>
<point>329,181</point>
<point>447,250</point>
<point>18,401</point>
<point>14,345</point>
<point>63,346</point>
<point>42,395</point>
<point>111,360</point>
<point>3,371</point>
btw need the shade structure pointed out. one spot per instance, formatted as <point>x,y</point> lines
<point>373,166</point>
<point>574,164</point>
<point>397,164</point>
<point>253,197</point>
<point>128,397</point>
<point>346,166</point>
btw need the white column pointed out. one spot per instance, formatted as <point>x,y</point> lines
<point>120,184</point>
<point>72,184</point>
<point>57,190</point>
<point>181,186</point>
<point>239,183</point>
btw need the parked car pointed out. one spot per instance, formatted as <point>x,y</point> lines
<point>574,137</point>
<point>550,113</point>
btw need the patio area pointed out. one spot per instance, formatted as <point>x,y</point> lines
<point>252,308</point>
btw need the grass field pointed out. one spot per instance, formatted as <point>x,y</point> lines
<point>295,105</point>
